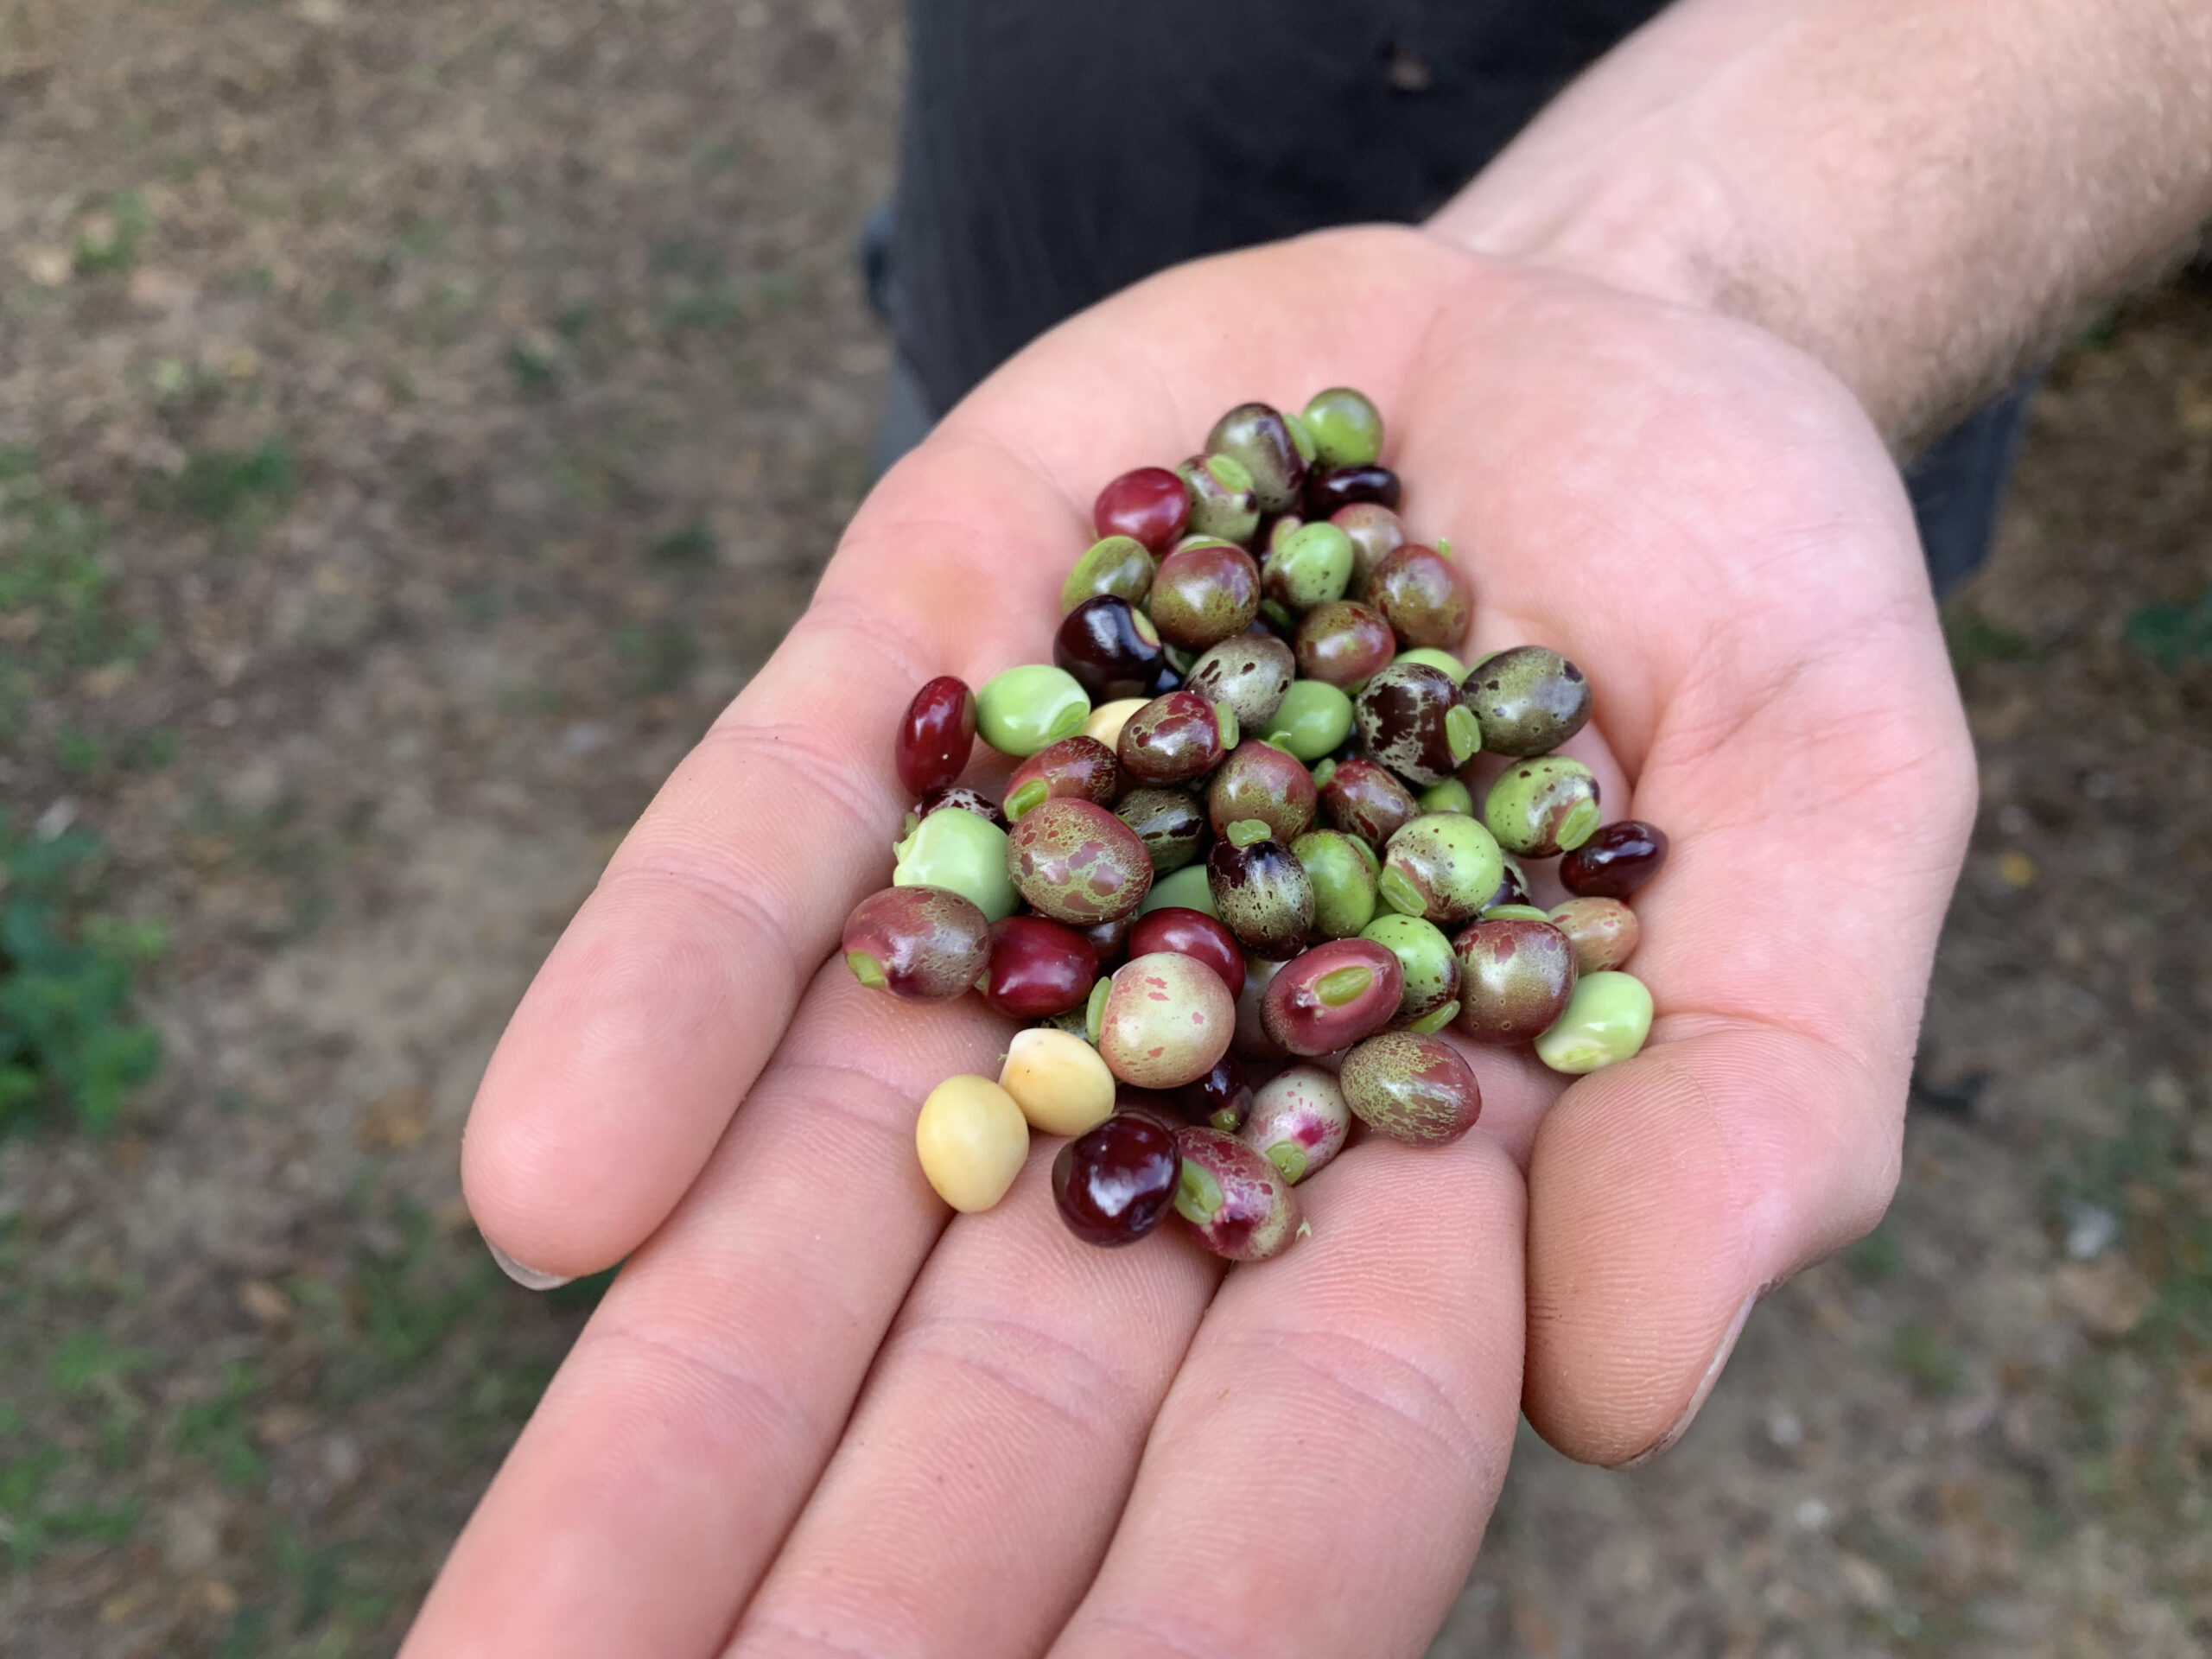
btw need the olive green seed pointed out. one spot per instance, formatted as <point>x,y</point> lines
<point>1313,720</point>
<point>963,852</point>
<point>1450,795</point>
<point>1119,565</point>
<point>1186,889</point>
<point>1605,1022</point>
<point>1030,708</point>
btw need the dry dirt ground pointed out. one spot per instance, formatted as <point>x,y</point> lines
<point>416,419</point>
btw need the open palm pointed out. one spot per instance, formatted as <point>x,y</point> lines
<point>818,1415</point>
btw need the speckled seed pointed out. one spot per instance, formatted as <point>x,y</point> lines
<point>1412,1088</point>
<point>1299,1121</point>
<point>1515,976</point>
<point>1362,799</point>
<point>1425,958</point>
<point>1607,1021</point>
<point>1076,862</point>
<point>962,852</point>
<point>1075,768</point>
<point>1542,806</point>
<point>1238,1203</point>
<point>926,944</point>
<point>1375,532</point>
<point>1331,996</point>
<point>1343,643</point>
<point>1312,566</point>
<point>1204,594</point>
<point>1422,595</point>
<point>1251,1041</point>
<point>1107,720</point>
<point>1026,709</point>
<point>1058,1081</point>
<point>1313,720</point>
<point>1221,499</point>
<point>1256,436</point>
<point>1166,1019</point>
<point>1441,866</point>
<point>1260,781</point>
<point>1171,824</point>
<point>1249,672</point>
<point>958,797</point>
<point>1450,795</point>
<point>1117,564</point>
<point>1346,428</point>
<point>1262,893</point>
<point>1188,888</point>
<point>1343,873</point>
<point>1411,720</point>
<point>972,1140</point>
<point>1603,933</point>
<point>1175,738</point>
<point>1528,699</point>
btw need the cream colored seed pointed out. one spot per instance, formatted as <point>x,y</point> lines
<point>972,1139</point>
<point>1059,1080</point>
<point>1107,720</point>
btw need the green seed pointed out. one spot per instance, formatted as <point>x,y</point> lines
<point>1347,429</point>
<point>1607,1019</point>
<point>1542,806</point>
<point>1441,865</point>
<point>1119,565</point>
<point>1313,566</point>
<point>1450,795</point>
<point>1435,658</point>
<point>962,852</point>
<point>1026,709</point>
<point>1426,959</point>
<point>1186,888</point>
<point>1342,869</point>
<point>1313,718</point>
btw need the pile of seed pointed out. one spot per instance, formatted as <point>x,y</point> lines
<point>1242,822</point>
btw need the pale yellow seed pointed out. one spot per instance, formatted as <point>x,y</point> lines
<point>1107,720</point>
<point>972,1139</point>
<point>1059,1080</point>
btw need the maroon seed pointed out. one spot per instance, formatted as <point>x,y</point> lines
<point>1116,1183</point>
<point>935,735</point>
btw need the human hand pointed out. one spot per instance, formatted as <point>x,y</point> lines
<point>812,1418</point>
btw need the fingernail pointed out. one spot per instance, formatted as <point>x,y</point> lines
<point>1681,1426</point>
<point>527,1278</point>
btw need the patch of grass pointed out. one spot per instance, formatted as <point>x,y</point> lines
<point>407,1303</point>
<point>531,368</point>
<point>1973,638</point>
<point>227,486</point>
<point>218,1430</point>
<point>57,611</point>
<point>1875,1259</point>
<point>69,1047</point>
<point>660,656</point>
<point>88,1357</point>
<point>691,548</point>
<point>108,238</point>
<point>2171,634</point>
<point>717,308</point>
<point>1927,1359</point>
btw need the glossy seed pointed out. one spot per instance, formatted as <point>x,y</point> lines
<point>1515,976</point>
<point>1616,862</point>
<point>1256,436</point>
<point>1311,565</point>
<point>1192,933</point>
<point>926,944</point>
<point>1441,866</point>
<point>935,735</point>
<point>1542,806</point>
<point>1057,1080</point>
<point>1204,594</point>
<point>1111,648</point>
<point>1262,893</point>
<point>1422,596</point>
<point>1412,1088</point>
<point>1603,933</point>
<point>1438,659</point>
<point>1363,799</point>
<point>1410,719</point>
<point>1188,888</point>
<point>1450,795</point>
<point>1173,738</point>
<point>1299,1121</point>
<point>1249,672</point>
<point>1331,996</point>
<point>1343,873</point>
<point>1075,768</point>
<point>972,1140</point>
<point>1528,700</point>
<point>1426,959</point>
<point>1172,825</point>
<point>1119,565</point>
<point>1025,709</point>
<point>1107,720</point>
<point>1261,782</point>
<point>1150,505</point>
<point>1605,1022</point>
<point>1076,862</point>
<point>1223,503</point>
<point>962,852</point>
<point>1116,1183</point>
<point>1330,489</point>
<point>1166,1020</point>
<point>1036,967</point>
<point>1239,1204</point>
<point>1221,1099</point>
<point>1343,643</point>
<point>1346,427</point>
<point>1313,720</point>
<point>1375,532</point>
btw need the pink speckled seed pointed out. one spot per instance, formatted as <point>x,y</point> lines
<point>1076,862</point>
<point>1168,1019</point>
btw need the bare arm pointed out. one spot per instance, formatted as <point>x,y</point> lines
<point>1926,194</point>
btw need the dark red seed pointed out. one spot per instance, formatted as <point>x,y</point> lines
<point>1331,996</point>
<point>1111,648</point>
<point>1037,968</point>
<point>1342,486</point>
<point>1116,1183</point>
<point>959,796</point>
<point>1363,799</point>
<point>1221,1099</point>
<point>1344,643</point>
<point>1616,861</point>
<point>1108,941</point>
<point>1422,596</point>
<point>935,735</point>
<point>1150,505</point>
<point>1515,974</point>
<point>1189,933</point>
<point>926,944</point>
<point>1174,737</point>
<point>1076,768</point>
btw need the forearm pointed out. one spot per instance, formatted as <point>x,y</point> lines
<point>1926,194</point>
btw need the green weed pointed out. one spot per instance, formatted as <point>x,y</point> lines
<point>660,656</point>
<point>68,1046</point>
<point>56,593</point>
<point>227,486</point>
<point>691,546</point>
<point>1973,638</point>
<point>108,240</point>
<point>1931,1363</point>
<point>219,1430</point>
<point>2170,634</point>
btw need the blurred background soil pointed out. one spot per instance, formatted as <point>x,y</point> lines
<point>415,422</point>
